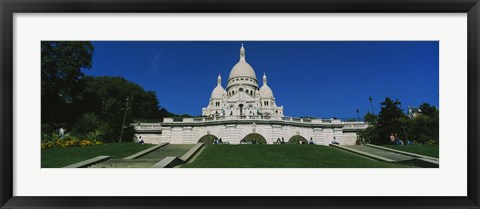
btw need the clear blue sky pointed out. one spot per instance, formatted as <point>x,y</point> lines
<point>309,78</point>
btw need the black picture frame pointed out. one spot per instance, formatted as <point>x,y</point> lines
<point>10,7</point>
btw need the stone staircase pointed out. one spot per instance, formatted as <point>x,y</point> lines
<point>147,160</point>
<point>391,155</point>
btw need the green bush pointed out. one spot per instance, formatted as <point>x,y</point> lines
<point>87,123</point>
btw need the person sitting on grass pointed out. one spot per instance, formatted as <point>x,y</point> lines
<point>283,140</point>
<point>397,140</point>
<point>311,141</point>
<point>140,140</point>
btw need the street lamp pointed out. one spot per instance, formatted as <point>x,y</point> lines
<point>358,115</point>
<point>124,117</point>
<point>371,104</point>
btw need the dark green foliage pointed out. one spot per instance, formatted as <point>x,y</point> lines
<point>389,121</point>
<point>370,118</point>
<point>61,79</point>
<point>87,123</point>
<point>112,99</point>
<point>428,110</point>
<point>423,129</point>
<point>259,139</point>
<point>84,104</point>
<point>368,135</point>
<point>296,139</point>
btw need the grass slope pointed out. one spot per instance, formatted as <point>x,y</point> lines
<point>281,156</point>
<point>60,157</point>
<point>428,150</point>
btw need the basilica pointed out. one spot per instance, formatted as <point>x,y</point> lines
<point>242,97</point>
<point>242,111</point>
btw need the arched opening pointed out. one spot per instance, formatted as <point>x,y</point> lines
<point>241,108</point>
<point>254,138</point>
<point>296,139</point>
<point>207,139</point>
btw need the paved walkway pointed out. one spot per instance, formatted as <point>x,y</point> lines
<point>148,160</point>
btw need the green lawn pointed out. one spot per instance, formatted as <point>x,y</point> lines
<point>428,150</point>
<point>60,157</point>
<point>281,156</point>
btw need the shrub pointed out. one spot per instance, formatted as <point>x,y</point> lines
<point>86,124</point>
<point>70,141</point>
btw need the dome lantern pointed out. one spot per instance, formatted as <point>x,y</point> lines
<point>242,53</point>
<point>264,79</point>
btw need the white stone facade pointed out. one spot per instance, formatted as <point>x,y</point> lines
<point>243,109</point>
<point>233,129</point>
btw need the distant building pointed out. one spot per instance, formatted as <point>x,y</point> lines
<point>413,112</point>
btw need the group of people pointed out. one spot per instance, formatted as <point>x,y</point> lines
<point>280,141</point>
<point>218,141</point>
<point>305,142</point>
<point>243,141</point>
<point>394,139</point>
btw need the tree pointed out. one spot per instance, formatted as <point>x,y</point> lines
<point>389,121</point>
<point>62,81</point>
<point>87,123</point>
<point>428,110</point>
<point>107,98</point>
<point>370,118</point>
<point>425,127</point>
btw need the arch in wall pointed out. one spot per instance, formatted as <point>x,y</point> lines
<point>207,139</point>
<point>259,139</point>
<point>296,139</point>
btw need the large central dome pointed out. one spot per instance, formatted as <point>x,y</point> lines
<point>242,68</point>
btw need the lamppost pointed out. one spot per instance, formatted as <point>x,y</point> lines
<point>124,117</point>
<point>371,104</point>
<point>358,115</point>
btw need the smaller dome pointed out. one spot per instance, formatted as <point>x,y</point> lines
<point>265,92</point>
<point>218,92</point>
